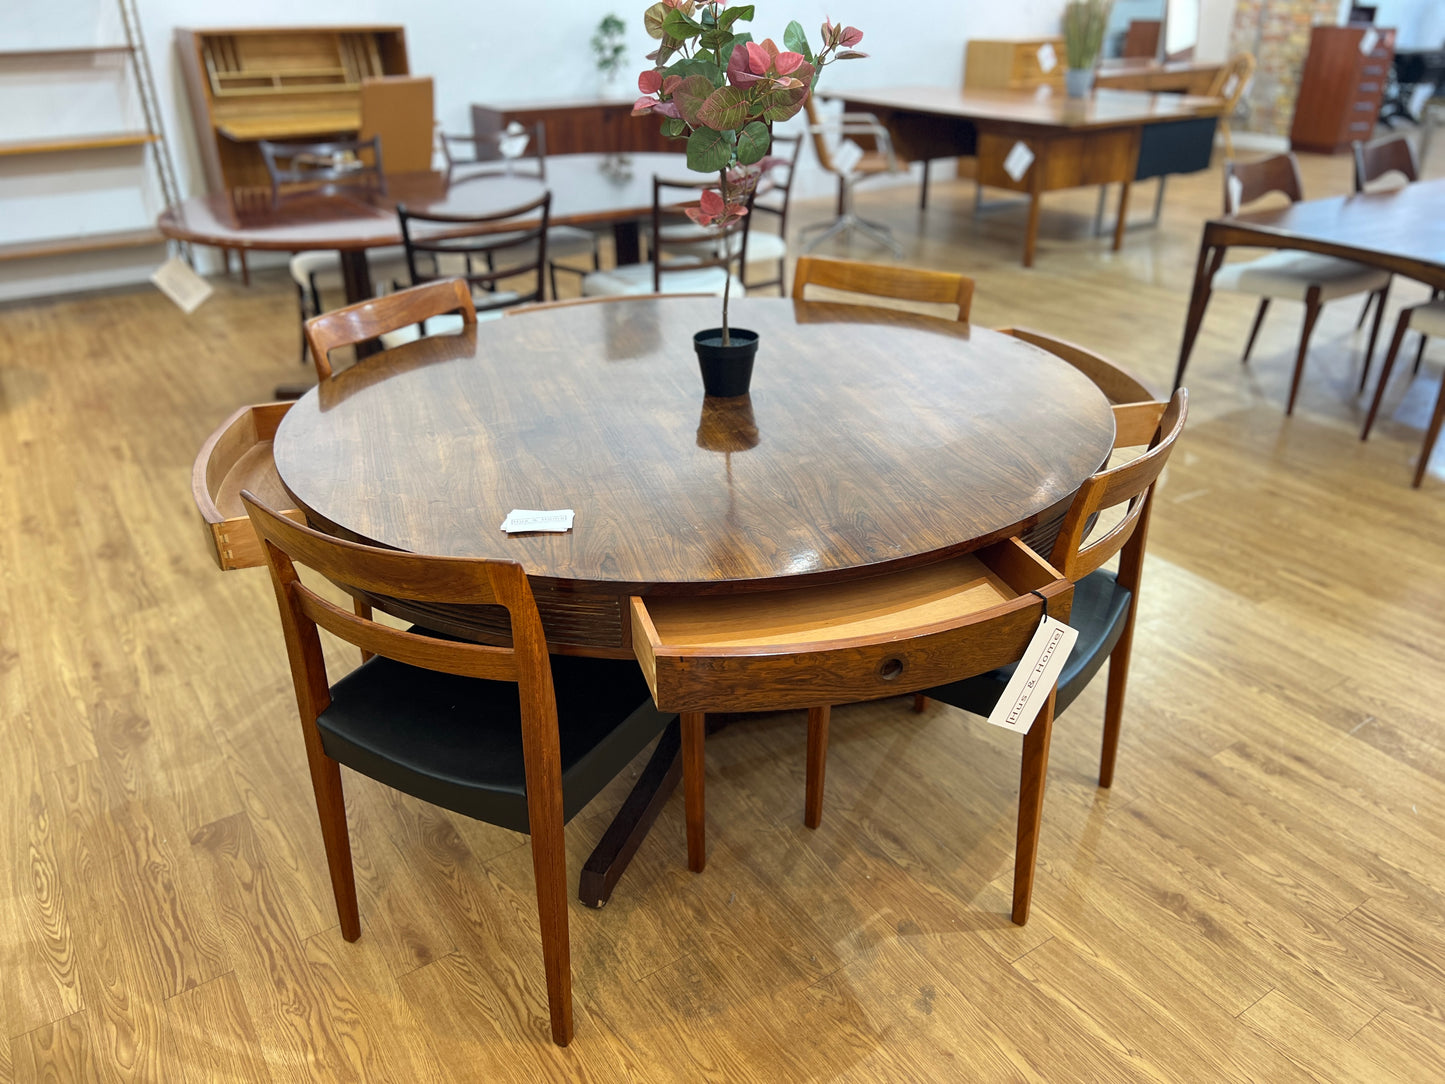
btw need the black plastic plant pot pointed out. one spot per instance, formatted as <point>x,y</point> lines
<point>726,370</point>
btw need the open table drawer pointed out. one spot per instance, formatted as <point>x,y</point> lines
<point>237,456</point>
<point>839,643</point>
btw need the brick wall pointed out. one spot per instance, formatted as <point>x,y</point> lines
<point>1277,32</point>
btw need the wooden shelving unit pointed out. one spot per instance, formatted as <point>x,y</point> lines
<point>152,135</point>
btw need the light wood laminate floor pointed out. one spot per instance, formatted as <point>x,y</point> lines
<point>1259,897</point>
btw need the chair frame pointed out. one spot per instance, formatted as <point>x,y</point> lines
<point>884,280</point>
<point>1437,416</point>
<point>1241,67</point>
<point>526,662</point>
<point>848,221</point>
<point>367,320</point>
<point>1259,178</point>
<point>480,238</point>
<point>1373,160</point>
<point>325,179</point>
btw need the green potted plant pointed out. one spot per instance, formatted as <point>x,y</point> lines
<point>610,49</point>
<point>722,92</point>
<point>1084,25</point>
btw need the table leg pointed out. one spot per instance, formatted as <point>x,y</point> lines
<point>1121,225</point>
<point>627,241</point>
<point>1031,230</point>
<point>1209,260</point>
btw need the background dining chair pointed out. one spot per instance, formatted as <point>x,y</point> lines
<point>1230,84</point>
<point>388,315</point>
<point>1427,319</point>
<point>1373,161</point>
<point>811,647</point>
<point>846,160</point>
<point>684,261</point>
<point>505,735</point>
<point>479,154</point>
<point>328,168</point>
<point>486,251</point>
<point>1297,276</point>
<point>884,280</point>
<point>1105,603</point>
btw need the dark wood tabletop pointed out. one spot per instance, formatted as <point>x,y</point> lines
<point>1045,107</point>
<point>587,189</point>
<point>872,440</point>
<point>1400,230</point>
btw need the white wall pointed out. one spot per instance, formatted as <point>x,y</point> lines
<point>477,51</point>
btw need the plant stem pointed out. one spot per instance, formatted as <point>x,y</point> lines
<point>728,260</point>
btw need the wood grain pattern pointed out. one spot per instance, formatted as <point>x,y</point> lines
<point>621,438</point>
<point>1283,753</point>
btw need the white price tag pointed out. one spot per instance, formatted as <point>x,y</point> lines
<point>1018,160</point>
<point>177,281</point>
<point>846,155</point>
<point>1035,676</point>
<point>1236,193</point>
<point>513,141</point>
<point>1048,59</point>
<point>1369,40</point>
<point>524,520</point>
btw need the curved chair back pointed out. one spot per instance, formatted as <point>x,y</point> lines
<point>885,280</point>
<point>488,248</point>
<point>324,167</point>
<point>1245,182</point>
<point>1232,80</point>
<point>1158,425</point>
<point>702,246</point>
<point>1393,154</point>
<point>1117,383</point>
<point>371,319</point>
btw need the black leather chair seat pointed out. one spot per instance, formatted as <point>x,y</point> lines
<point>457,741</point>
<point>1101,608</point>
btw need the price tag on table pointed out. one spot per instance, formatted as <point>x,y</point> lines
<point>525,520</point>
<point>1368,40</point>
<point>1048,59</point>
<point>1016,163</point>
<point>1035,676</point>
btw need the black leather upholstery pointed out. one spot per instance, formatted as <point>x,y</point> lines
<point>1101,608</point>
<point>457,742</point>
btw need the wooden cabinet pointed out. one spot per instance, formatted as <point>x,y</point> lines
<point>1341,89</point>
<point>581,127</point>
<point>284,83</point>
<point>1011,65</point>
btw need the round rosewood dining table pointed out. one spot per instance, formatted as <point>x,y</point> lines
<point>872,440</point>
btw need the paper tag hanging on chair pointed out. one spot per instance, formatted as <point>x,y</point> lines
<point>847,155</point>
<point>1035,676</point>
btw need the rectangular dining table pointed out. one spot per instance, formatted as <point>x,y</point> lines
<point>1067,142</point>
<point>1401,231</point>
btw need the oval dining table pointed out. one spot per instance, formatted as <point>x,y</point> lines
<point>872,440</point>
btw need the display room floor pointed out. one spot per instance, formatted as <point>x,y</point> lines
<point>1258,897</point>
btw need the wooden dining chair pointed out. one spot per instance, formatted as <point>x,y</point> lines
<point>336,167</point>
<point>884,280</point>
<point>1428,319</point>
<point>383,316</point>
<point>1296,276</point>
<point>811,647</point>
<point>1230,84</point>
<point>1105,603</point>
<point>685,259</point>
<point>505,735</point>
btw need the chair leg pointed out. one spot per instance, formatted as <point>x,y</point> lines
<point>817,764</point>
<point>1254,330</point>
<point>331,811</point>
<point>1228,138</point>
<point>1420,353</point>
<point>549,868</point>
<point>920,703</point>
<point>1402,325</point>
<point>1031,807</point>
<point>694,800</point>
<point>1114,701</point>
<point>1312,313</point>
<point>1381,296</point>
<point>1431,435</point>
<point>1369,300</point>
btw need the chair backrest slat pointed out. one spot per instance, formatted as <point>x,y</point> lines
<point>1393,154</point>
<point>1129,482</point>
<point>477,240</point>
<point>371,319</point>
<point>1245,182</point>
<point>884,280</point>
<point>670,200</point>
<point>1118,384</point>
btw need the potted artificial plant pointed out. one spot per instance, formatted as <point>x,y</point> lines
<point>1084,25</point>
<point>723,92</point>
<point>610,49</point>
